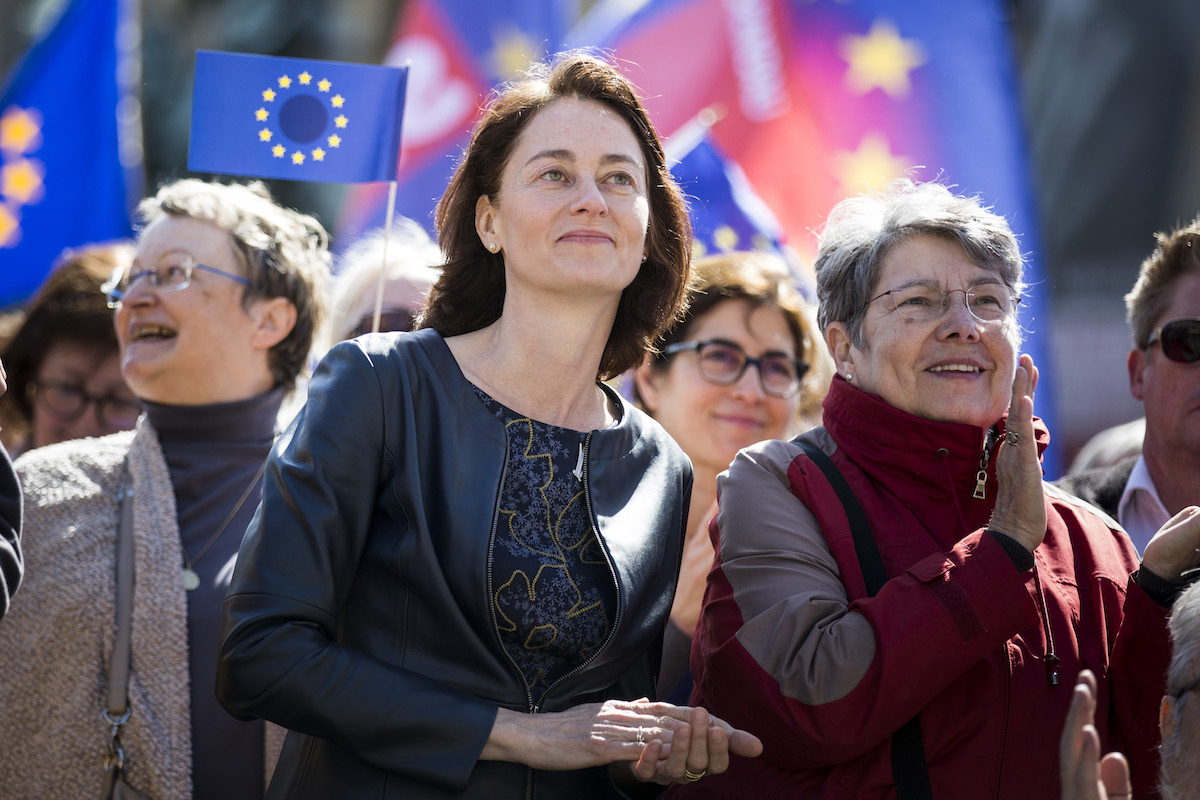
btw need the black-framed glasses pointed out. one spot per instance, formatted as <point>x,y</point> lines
<point>67,402</point>
<point>1180,340</point>
<point>724,363</point>
<point>390,319</point>
<point>172,274</point>
<point>986,302</point>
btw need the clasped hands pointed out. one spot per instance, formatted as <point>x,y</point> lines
<point>663,743</point>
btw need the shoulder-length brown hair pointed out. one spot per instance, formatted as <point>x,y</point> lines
<point>469,294</point>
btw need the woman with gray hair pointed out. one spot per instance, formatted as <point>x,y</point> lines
<point>897,593</point>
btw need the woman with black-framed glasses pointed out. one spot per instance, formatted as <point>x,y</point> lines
<point>63,362</point>
<point>734,371</point>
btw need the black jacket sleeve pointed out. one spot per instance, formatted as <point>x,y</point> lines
<point>11,567</point>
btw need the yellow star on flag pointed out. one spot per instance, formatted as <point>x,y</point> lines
<point>20,130</point>
<point>305,78</point>
<point>337,101</point>
<point>264,135</point>
<point>725,238</point>
<point>278,151</point>
<point>21,181</point>
<point>10,227</point>
<point>323,85</point>
<point>513,52</point>
<point>285,82</point>
<point>871,166</point>
<point>261,115</point>
<point>334,140</point>
<point>269,95</point>
<point>318,154</point>
<point>297,157</point>
<point>340,120</point>
<point>881,60</point>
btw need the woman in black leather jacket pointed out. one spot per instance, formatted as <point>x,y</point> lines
<point>458,580</point>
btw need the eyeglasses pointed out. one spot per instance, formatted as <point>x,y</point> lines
<point>724,364</point>
<point>390,319</point>
<point>171,275</point>
<point>1180,340</point>
<point>988,302</point>
<point>67,402</point>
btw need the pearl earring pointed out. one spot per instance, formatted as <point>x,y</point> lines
<point>644,257</point>
<point>849,376</point>
<point>492,246</point>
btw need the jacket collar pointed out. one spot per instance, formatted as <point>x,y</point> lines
<point>920,461</point>
<point>613,442</point>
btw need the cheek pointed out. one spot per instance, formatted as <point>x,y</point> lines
<point>782,411</point>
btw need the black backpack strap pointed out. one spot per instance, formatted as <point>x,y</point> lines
<point>909,769</point>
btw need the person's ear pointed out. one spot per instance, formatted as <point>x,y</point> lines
<point>1166,717</point>
<point>486,226</point>
<point>1137,373</point>
<point>837,338</point>
<point>274,318</point>
<point>646,380</point>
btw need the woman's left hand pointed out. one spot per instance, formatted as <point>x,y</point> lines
<point>700,745</point>
<point>1020,511</point>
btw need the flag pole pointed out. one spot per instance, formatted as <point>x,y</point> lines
<point>383,268</point>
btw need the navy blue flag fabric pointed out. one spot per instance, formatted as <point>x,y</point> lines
<point>70,148</point>
<point>295,119</point>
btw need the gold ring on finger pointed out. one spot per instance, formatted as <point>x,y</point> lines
<point>1012,438</point>
<point>692,777</point>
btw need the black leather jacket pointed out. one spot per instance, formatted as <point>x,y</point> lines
<point>359,614</point>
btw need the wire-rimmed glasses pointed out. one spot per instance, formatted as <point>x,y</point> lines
<point>171,274</point>
<point>986,302</point>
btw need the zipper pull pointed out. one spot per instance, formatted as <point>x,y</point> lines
<point>578,471</point>
<point>1052,669</point>
<point>981,476</point>
<point>980,485</point>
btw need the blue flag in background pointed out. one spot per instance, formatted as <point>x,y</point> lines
<point>727,214</point>
<point>70,146</point>
<point>295,119</point>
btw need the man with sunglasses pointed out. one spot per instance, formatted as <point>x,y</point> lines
<point>1163,310</point>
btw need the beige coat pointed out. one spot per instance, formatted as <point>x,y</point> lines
<point>56,643</point>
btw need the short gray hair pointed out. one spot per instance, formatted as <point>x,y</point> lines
<point>862,230</point>
<point>286,254</point>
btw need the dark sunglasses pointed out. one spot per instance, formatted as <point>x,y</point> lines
<point>1179,339</point>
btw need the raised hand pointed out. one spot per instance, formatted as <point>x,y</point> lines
<point>1020,502</point>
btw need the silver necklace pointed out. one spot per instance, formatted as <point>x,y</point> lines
<point>191,580</point>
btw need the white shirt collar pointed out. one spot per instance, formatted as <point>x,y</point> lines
<point>1141,512</point>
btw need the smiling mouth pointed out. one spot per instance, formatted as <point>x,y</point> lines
<point>152,332</point>
<point>955,368</point>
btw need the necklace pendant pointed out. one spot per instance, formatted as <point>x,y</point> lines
<point>191,581</point>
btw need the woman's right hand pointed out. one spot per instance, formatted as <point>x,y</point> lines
<point>595,734</point>
<point>1020,511</point>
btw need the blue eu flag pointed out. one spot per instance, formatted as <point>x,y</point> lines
<point>295,119</point>
<point>70,147</point>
